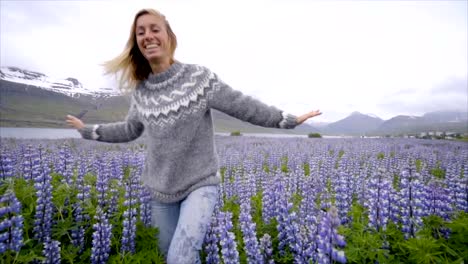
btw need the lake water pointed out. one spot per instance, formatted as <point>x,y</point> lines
<point>39,133</point>
<point>56,133</point>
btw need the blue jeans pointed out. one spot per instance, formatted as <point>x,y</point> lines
<point>183,225</point>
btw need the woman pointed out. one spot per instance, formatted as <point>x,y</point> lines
<point>171,101</point>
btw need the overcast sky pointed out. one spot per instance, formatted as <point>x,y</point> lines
<point>377,57</point>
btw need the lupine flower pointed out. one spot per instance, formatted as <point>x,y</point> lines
<point>65,164</point>
<point>461,191</point>
<point>378,200</point>
<point>211,239</point>
<point>307,214</point>
<point>436,200</point>
<point>116,174</point>
<point>411,195</point>
<point>227,240</point>
<point>329,238</point>
<point>343,196</point>
<point>11,227</point>
<point>266,249</point>
<point>51,252</point>
<point>284,218</point>
<point>6,165</point>
<point>83,194</point>
<point>101,238</point>
<point>145,207</point>
<point>102,184</point>
<point>44,206</point>
<point>393,206</point>
<point>268,202</point>
<point>129,222</point>
<point>32,162</point>
<point>249,234</point>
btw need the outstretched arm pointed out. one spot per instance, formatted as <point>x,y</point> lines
<point>225,99</point>
<point>125,131</point>
<point>304,117</point>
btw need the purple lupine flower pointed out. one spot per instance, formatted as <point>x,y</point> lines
<point>65,164</point>
<point>16,241</point>
<point>461,191</point>
<point>44,206</point>
<point>27,162</point>
<point>6,165</point>
<point>51,251</point>
<point>266,249</point>
<point>285,232</point>
<point>249,234</point>
<point>378,199</point>
<point>325,199</point>
<point>411,195</point>
<point>329,238</point>
<point>227,240</point>
<point>212,240</point>
<point>102,183</point>
<point>129,230</point>
<point>11,227</point>
<point>82,195</point>
<point>131,202</point>
<point>393,207</point>
<point>116,175</point>
<point>101,238</point>
<point>436,199</point>
<point>343,196</point>
<point>145,207</point>
<point>32,162</point>
<point>268,202</point>
<point>307,213</point>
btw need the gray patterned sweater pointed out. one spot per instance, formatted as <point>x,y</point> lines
<point>174,109</point>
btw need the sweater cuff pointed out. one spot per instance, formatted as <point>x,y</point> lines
<point>89,132</point>
<point>288,121</point>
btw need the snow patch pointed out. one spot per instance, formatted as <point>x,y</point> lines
<point>70,86</point>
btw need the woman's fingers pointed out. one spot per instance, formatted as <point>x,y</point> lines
<point>74,122</point>
<point>315,113</point>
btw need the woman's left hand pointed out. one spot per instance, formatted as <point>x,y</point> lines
<point>302,118</point>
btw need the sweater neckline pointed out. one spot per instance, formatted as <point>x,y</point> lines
<point>157,78</point>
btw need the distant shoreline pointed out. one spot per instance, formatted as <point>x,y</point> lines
<point>48,133</point>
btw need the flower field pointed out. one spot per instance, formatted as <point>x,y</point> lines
<point>293,200</point>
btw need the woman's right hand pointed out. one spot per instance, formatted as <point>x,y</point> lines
<point>74,122</point>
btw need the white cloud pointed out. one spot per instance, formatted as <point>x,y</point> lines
<point>339,56</point>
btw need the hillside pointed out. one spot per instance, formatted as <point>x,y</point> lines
<point>24,105</point>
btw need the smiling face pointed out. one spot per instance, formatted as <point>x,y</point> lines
<point>152,38</point>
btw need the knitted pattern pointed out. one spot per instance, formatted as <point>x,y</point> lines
<point>172,109</point>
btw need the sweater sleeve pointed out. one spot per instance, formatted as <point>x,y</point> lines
<point>117,132</point>
<point>246,108</point>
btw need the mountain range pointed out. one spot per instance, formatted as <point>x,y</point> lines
<point>33,99</point>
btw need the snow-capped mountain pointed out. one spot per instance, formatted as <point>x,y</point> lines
<point>69,86</point>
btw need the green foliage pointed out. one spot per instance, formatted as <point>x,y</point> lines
<point>63,198</point>
<point>418,164</point>
<point>232,205</point>
<point>431,246</point>
<point>314,135</point>
<point>341,153</point>
<point>438,173</point>
<point>364,245</point>
<point>236,133</point>
<point>458,235</point>
<point>380,155</point>
<point>284,164</point>
<point>396,182</point>
<point>306,169</point>
<point>367,245</point>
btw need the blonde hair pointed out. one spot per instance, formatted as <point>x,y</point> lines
<point>131,66</point>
